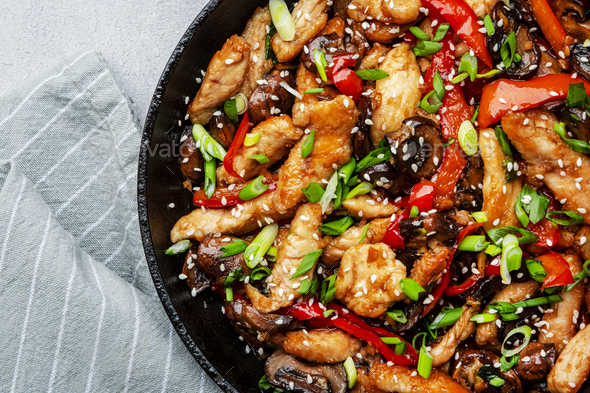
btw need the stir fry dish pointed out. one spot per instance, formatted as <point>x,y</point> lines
<point>394,195</point>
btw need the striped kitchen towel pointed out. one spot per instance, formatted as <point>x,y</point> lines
<point>78,310</point>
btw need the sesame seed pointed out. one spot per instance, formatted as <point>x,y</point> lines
<point>582,210</point>
<point>182,276</point>
<point>503,101</point>
<point>540,177</point>
<point>496,222</point>
<point>229,61</point>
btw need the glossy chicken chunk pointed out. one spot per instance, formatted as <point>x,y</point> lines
<point>460,331</point>
<point>321,346</point>
<point>401,379</point>
<point>572,366</point>
<point>370,206</point>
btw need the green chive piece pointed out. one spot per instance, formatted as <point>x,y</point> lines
<point>231,110</point>
<point>422,36</point>
<point>320,61</point>
<point>493,250</point>
<point>260,245</point>
<point>236,247</point>
<point>576,96</point>
<point>574,218</point>
<point>397,315</point>
<point>345,173</point>
<point>350,370</point>
<point>520,212</point>
<point>314,91</point>
<point>483,318</point>
<point>375,157</point>
<point>424,363</point>
<point>328,289</point>
<point>496,234</point>
<point>489,373</point>
<point>364,235</point>
<point>489,74</point>
<point>526,331</point>
<point>489,25</point>
<point>536,270</point>
<point>282,19</point>
<point>506,364</point>
<point>447,317</point>
<point>502,307</point>
<point>313,192</point>
<point>253,189</point>
<point>468,138</point>
<point>304,287</point>
<point>427,48</point>
<point>441,32</point>
<point>330,193</point>
<point>210,177</point>
<point>539,301</point>
<point>264,383</point>
<point>475,115</point>
<point>575,144</point>
<point>428,106</point>
<point>374,74</point>
<point>438,85</point>
<point>307,263</point>
<point>307,146</point>
<point>229,294</point>
<point>178,248</point>
<point>260,272</point>
<point>208,146</point>
<point>251,139</point>
<point>272,254</point>
<point>269,53</point>
<point>411,288</point>
<point>336,228</point>
<point>508,50</point>
<point>503,139</point>
<point>480,217</point>
<point>261,158</point>
<point>460,78</point>
<point>469,65</point>
<point>414,212</point>
<point>233,276</point>
<point>473,244</point>
<point>361,189</point>
<point>511,257</point>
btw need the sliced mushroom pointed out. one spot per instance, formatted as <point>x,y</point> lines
<point>196,279</point>
<point>286,372</point>
<point>572,15</point>
<point>191,159</point>
<point>535,362</point>
<point>222,129</point>
<point>329,44</point>
<point>525,11</point>
<point>529,53</point>
<point>505,21</point>
<point>483,288</point>
<point>580,59</point>
<point>270,95</point>
<point>381,175</point>
<point>418,231</point>
<point>580,128</point>
<point>210,262</point>
<point>469,196</point>
<point>247,316</point>
<point>361,139</point>
<point>412,311</point>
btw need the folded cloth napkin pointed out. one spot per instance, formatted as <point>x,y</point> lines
<point>78,310</point>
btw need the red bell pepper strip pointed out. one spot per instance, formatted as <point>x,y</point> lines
<point>548,234</point>
<point>505,95</point>
<point>558,270</point>
<point>549,24</point>
<point>393,237</point>
<point>458,289</point>
<point>349,84</point>
<point>228,161</point>
<point>303,311</point>
<point>231,196</point>
<point>464,21</point>
<point>440,289</point>
<point>340,62</point>
<point>422,195</point>
<point>448,175</point>
<point>493,268</point>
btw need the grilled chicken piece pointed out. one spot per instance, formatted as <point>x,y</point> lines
<point>203,221</point>
<point>332,122</point>
<point>398,12</point>
<point>277,137</point>
<point>371,59</point>
<point>370,206</point>
<point>460,331</point>
<point>400,92</point>
<point>224,78</point>
<point>255,34</point>
<point>310,18</point>
<point>305,80</point>
<point>497,204</point>
<point>562,320</point>
<point>482,7</point>
<point>304,238</point>
<point>487,333</point>
<point>334,251</point>
<point>369,279</point>
<point>572,366</point>
<point>401,379</point>
<point>429,268</point>
<point>543,149</point>
<point>582,243</point>
<point>321,346</point>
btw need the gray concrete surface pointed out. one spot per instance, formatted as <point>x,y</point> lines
<point>136,38</point>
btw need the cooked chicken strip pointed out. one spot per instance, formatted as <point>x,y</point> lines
<point>429,268</point>
<point>334,251</point>
<point>497,203</point>
<point>372,56</point>
<point>203,221</point>
<point>369,279</point>
<point>305,80</point>
<point>332,122</point>
<point>321,345</point>
<point>544,150</point>
<point>460,331</point>
<point>400,91</point>
<point>277,137</point>
<point>255,34</point>
<point>406,11</point>
<point>370,206</point>
<point>572,366</point>
<point>582,243</point>
<point>224,78</point>
<point>482,7</point>
<point>487,333</point>
<point>310,18</point>
<point>304,238</point>
<point>562,320</point>
<point>401,379</point>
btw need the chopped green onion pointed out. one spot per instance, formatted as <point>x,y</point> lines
<point>536,270</point>
<point>446,317</point>
<point>427,48</point>
<point>364,233</point>
<point>229,294</point>
<point>328,289</point>
<point>502,307</point>
<point>375,157</point>
<point>314,285</point>
<point>236,247</point>
<point>483,318</point>
<point>578,278</point>
<point>353,181</point>
<point>511,257</point>
<point>336,228</point>
<point>374,74</point>
<point>460,78</point>
<point>391,340</point>
<point>313,192</point>
<point>524,330</point>
<point>269,53</point>
<point>489,25</point>
<point>304,287</point>
<point>576,144</point>
<point>511,175</point>
<point>506,364</point>
<point>424,363</point>
<point>468,138</point>
<point>208,146</point>
<point>272,254</point>
<point>253,189</point>
<point>307,146</point>
<point>320,61</point>
<point>330,192</point>
<point>493,250</point>
<point>489,373</point>
<point>327,313</point>
<point>422,36</point>
<point>428,106</point>
<point>473,243</point>
<point>261,158</point>
<point>260,245</point>
<point>210,177</point>
<point>475,115</point>
<point>260,272</point>
<point>438,85</point>
<point>575,218</point>
<point>497,381</point>
<point>251,138</point>
<point>307,263</point>
<point>503,140</point>
<point>314,91</point>
<point>234,275</point>
<point>480,217</point>
<point>537,205</point>
<point>520,212</point>
<point>397,315</point>
<point>350,369</point>
<point>441,32</point>
<point>178,248</point>
<point>414,212</point>
<point>264,383</point>
<point>231,110</point>
<point>539,301</point>
<point>361,189</point>
<point>241,103</point>
<point>291,90</point>
<point>496,234</point>
<point>282,19</point>
<point>587,268</point>
<point>347,170</point>
<point>469,65</point>
<point>577,96</point>
<point>411,288</point>
<point>489,74</point>
<point>508,50</point>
